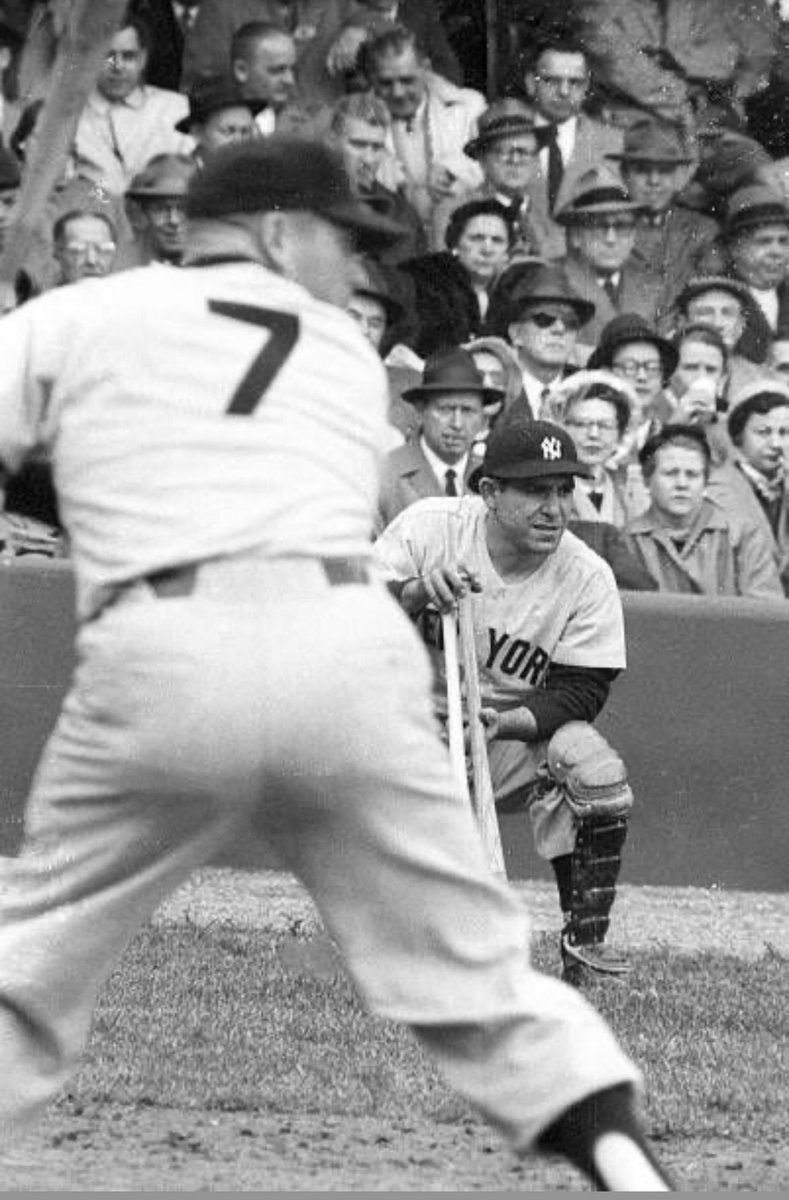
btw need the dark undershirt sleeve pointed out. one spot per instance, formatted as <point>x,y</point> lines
<point>569,694</point>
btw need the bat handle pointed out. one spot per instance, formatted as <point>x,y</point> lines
<point>457,747</point>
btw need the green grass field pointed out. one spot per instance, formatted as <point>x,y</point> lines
<point>210,1018</point>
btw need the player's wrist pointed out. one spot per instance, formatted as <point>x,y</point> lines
<point>517,725</point>
<point>414,595</point>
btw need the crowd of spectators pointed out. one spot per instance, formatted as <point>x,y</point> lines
<point>595,231</point>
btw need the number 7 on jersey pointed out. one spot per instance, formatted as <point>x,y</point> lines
<point>284,330</point>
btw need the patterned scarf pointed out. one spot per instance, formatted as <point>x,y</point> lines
<point>768,488</point>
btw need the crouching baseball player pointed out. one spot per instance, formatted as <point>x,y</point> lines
<point>550,640</point>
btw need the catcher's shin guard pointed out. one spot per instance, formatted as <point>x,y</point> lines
<point>594,869</point>
<point>595,787</point>
<point>595,866</point>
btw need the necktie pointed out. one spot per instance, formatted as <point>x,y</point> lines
<point>450,487</point>
<point>514,210</point>
<point>555,167</point>
<point>597,499</point>
<point>610,289</point>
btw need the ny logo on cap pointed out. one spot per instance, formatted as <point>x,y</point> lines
<point>551,447</point>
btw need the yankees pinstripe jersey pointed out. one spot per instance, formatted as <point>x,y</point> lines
<point>567,612</point>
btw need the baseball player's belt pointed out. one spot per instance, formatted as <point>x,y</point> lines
<point>185,580</point>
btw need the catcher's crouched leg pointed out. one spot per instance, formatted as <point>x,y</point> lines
<point>595,788</point>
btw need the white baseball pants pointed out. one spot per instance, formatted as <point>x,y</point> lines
<point>305,711</point>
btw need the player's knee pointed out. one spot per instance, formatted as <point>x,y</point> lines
<point>592,775</point>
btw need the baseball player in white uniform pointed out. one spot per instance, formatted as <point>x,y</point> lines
<point>216,433</point>
<point>549,634</point>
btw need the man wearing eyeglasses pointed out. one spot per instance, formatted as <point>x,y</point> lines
<point>84,246</point>
<point>557,85</point>
<point>506,146</point>
<point>600,220</point>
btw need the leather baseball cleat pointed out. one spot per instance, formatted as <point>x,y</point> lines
<point>598,957</point>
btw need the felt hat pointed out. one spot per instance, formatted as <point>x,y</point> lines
<point>631,327</point>
<point>697,285</point>
<point>452,370</point>
<point>545,284</point>
<point>753,206</point>
<point>503,118</point>
<point>521,448</point>
<point>211,95</point>
<point>597,194</point>
<point>285,174</point>
<point>651,141</point>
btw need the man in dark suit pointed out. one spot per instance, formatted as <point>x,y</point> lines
<point>557,83</point>
<point>545,319</point>
<point>600,221</point>
<point>452,400</point>
<point>655,165</point>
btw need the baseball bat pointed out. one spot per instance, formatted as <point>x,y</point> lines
<point>482,798</point>
<point>90,29</point>
<point>457,746</point>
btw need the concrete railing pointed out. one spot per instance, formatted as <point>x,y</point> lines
<point>701,718</point>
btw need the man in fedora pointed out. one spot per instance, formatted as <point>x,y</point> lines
<point>601,224</point>
<point>755,248</point>
<point>506,147</point>
<point>549,640</point>
<point>453,401</point>
<point>654,165</point>
<point>723,303</point>
<point>156,206</point>
<point>219,114</point>
<point>545,318</point>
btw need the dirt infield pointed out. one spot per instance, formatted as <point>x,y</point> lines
<point>686,919</point>
<point>116,1147</point>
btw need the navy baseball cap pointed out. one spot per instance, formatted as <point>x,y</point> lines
<point>519,448</point>
<point>285,174</point>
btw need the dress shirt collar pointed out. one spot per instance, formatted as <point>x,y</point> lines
<point>536,390</point>
<point>440,468</point>
<point>100,104</point>
<point>414,123</point>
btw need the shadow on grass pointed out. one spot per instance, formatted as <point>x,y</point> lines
<point>219,1018</point>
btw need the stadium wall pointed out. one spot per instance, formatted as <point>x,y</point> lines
<point>701,718</point>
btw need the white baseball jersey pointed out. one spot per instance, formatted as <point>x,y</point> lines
<point>567,612</point>
<point>195,413</point>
